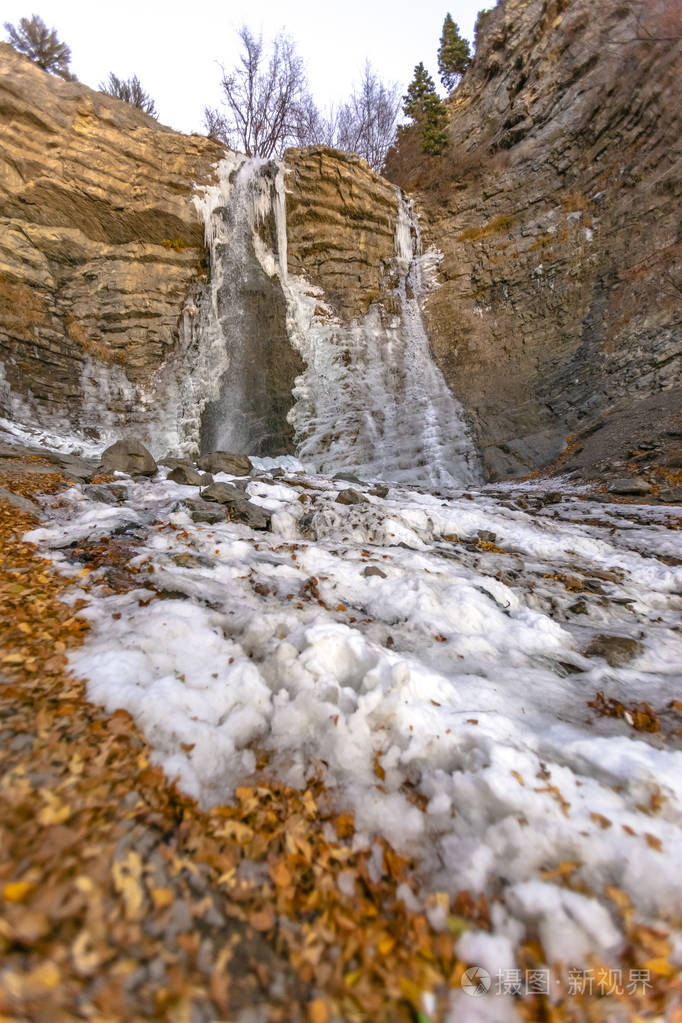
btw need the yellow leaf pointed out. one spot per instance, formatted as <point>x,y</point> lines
<point>378,769</point>
<point>162,897</point>
<point>309,804</point>
<point>660,966</point>
<point>318,1011</point>
<point>126,874</point>
<point>280,874</point>
<point>16,891</point>
<point>386,945</point>
<point>85,956</point>
<point>564,868</point>
<point>55,812</point>
<point>241,833</point>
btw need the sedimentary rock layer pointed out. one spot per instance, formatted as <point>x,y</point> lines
<point>557,210</point>
<point>100,244</point>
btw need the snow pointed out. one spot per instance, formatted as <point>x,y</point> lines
<point>462,672</point>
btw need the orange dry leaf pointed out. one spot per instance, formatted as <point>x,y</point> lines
<point>318,1011</point>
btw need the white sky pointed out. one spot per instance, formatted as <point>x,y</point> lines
<point>176,48</point>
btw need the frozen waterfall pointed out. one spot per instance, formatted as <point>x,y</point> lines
<point>370,398</point>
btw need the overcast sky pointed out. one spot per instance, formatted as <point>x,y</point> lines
<point>176,49</point>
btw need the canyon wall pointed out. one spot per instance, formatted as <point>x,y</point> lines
<point>100,245</point>
<point>556,208</point>
<point>555,211</point>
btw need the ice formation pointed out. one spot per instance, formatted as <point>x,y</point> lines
<point>466,671</point>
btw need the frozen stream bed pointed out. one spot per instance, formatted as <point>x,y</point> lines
<point>436,658</point>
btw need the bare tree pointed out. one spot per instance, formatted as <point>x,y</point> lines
<point>130,91</point>
<point>264,98</point>
<point>41,45</point>
<point>367,121</point>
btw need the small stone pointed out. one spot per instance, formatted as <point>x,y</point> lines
<point>379,490</point>
<point>130,456</point>
<point>373,570</point>
<point>225,461</point>
<point>616,650</point>
<point>632,485</point>
<point>485,536</point>
<point>186,475</point>
<point>350,496</point>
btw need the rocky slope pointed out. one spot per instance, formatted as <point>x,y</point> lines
<point>557,210</point>
<point>100,245</point>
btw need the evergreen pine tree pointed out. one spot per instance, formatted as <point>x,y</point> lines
<point>41,45</point>
<point>422,104</point>
<point>453,55</point>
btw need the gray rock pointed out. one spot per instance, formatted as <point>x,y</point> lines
<point>373,570</point>
<point>350,496</point>
<point>379,490</point>
<point>73,467</point>
<point>616,650</point>
<point>486,536</point>
<point>225,461</point>
<point>673,495</point>
<point>239,508</point>
<point>22,503</point>
<point>629,485</point>
<point>186,475</point>
<point>106,493</point>
<point>223,493</point>
<point>129,456</point>
<point>206,511</point>
<point>348,477</point>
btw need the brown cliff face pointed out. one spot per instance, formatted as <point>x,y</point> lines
<point>556,208</point>
<point>340,226</point>
<point>100,244</point>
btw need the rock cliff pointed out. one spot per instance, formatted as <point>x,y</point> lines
<point>556,209</point>
<point>100,245</point>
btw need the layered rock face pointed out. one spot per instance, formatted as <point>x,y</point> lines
<point>341,219</point>
<point>100,245</point>
<point>557,210</point>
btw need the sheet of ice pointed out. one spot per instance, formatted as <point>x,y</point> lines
<point>462,669</point>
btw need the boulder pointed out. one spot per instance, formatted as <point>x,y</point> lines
<point>187,476</point>
<point>225,461</point>
<point>379,490</point>
<point>129,456</point>
<point>347,477</point>
<point>616,650</point>
<point>239,508</point>
<point>350,496</point>
<point>223,493</point>
<point>105,493</point>
<point>21,503</point>
<point>629,486</point>
<point>206,511</point>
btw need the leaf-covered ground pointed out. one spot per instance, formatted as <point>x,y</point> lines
<point>121,900</point>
